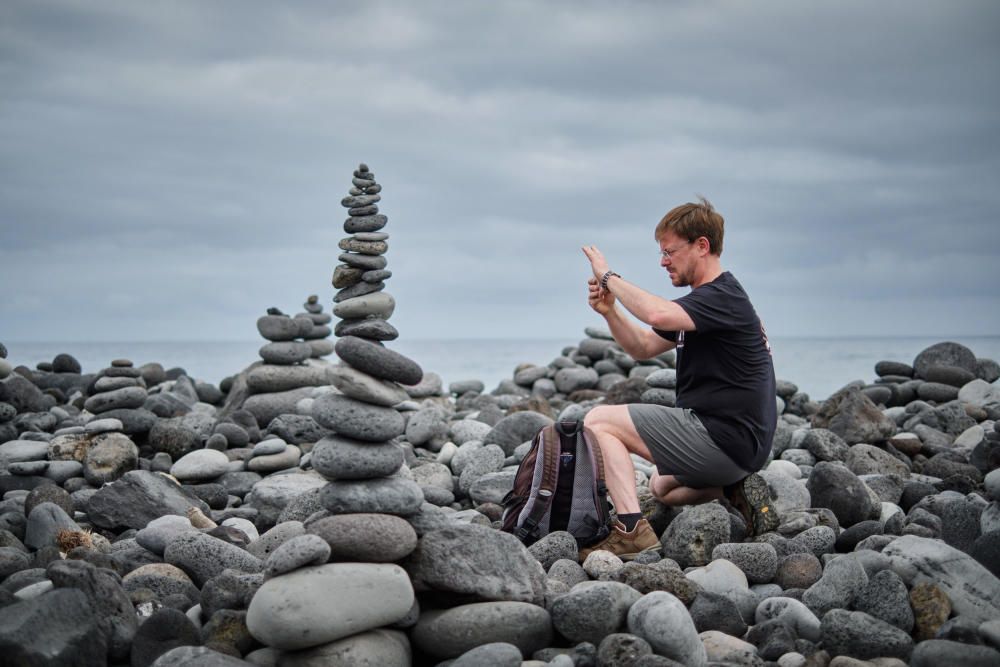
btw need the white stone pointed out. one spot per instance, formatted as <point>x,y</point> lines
<point>785,468</point>
<point>200,465</point>
<point>316,605</point>
<point>244,525</point>
<point>103,425</point>
<point>600,563</point>
<point>378,304</point>
<point>979,392</point>
<point>720,576</point>
<point>969,438</point>
<point>973,590</point>
<point>663,621</point>
<point>720,647</point>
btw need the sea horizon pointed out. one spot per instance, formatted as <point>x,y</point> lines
<point>819,365</point>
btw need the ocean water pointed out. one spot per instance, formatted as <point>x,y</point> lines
<point>819,366</point>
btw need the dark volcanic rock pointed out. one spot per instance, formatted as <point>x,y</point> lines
<point>944,354</point>
<point>57,628</point>
<point>137,498</point>
<point>378,361</point>
<point>851,415</point>
<point>838,489</point>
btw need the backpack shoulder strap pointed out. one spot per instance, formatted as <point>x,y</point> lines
<point>546,442</point>
<point>595,448</point>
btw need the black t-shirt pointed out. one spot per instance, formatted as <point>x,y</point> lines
<point>724,370</point>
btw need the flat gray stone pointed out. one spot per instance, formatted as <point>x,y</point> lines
<point>340,458</point>
<point>593,610</point>
<point>317,605</point>
<point>369,538</point>
<point>366,649</point>
<point>450,633</point>
<point>278,328</point>
<point>390,495</point>
<point>358,420</point>
<point>379,304</point>
<point>285,353</point>
<point>297,552</point>
<point>200,465</point>
<point>273,494</point>
<point>663,621</point>
<point>137,498</point>
<point>365,388</point>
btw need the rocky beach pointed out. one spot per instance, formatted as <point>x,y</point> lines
<point>308,512</point>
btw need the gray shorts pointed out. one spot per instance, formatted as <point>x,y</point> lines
<point>682,447</point>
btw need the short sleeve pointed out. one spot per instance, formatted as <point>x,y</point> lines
<point>710,308</point>
<point>669,335</point>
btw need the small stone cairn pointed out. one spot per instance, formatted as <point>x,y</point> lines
<point>318,337</point>
<point>362,530</point>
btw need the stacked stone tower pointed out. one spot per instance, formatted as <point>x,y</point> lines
<point>368,495</point>
<point>318,336</point>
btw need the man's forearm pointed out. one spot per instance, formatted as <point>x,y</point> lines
<point>626,333</point>
<point>646,307</point>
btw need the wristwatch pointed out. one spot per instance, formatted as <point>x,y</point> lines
<point>606,277</point>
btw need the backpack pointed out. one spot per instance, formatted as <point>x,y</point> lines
<point>559,486</point>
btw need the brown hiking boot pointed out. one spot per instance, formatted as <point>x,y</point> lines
<point>624,544</point>
<point>752,499</point>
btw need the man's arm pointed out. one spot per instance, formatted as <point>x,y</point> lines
<point>638,342</point>
<point>649,308</point>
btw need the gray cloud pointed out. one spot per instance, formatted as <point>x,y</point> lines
<point>171,170</point>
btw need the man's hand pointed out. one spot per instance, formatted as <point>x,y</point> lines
<point>598,264</point>
<point>602,301</point>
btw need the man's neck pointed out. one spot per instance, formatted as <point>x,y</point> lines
<point>710,270</point>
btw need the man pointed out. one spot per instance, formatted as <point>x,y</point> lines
<point>711,445</point>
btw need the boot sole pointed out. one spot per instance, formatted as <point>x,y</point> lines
<point>758,497</point>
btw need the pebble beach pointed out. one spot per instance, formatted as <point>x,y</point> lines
<point>335,503</point>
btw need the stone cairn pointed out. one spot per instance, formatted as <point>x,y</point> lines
<point>318,336</point>
<point>361,530</point>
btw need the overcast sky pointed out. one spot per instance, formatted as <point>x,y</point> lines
<point>170,170</point>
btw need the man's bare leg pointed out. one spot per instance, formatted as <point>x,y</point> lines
<point>669,491</point>
<point>618,438</point>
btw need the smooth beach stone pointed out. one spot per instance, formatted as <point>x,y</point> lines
<point>373,329</point>
<point>838,489</point>
<point>378,361</point>
<point>938,652</point>
<point>203,556</point>
<point>712,611</point>
<point>516,428</point>
<point>358,289</point>
<point>376,276</point>
<point>320,347</point>
<point>273,494</point>
<point>886,598</point>
<point>340,458</point>
<point>295,553</point>
<point>370,538</point>
<point>495,654</point>
<point>200,465</point>
<point>368,223</point>
<point>354,419</point>
<point>427,428</point>
<point>371,236</point>
<point>95,426</point>
<point>860,635</point>
<point>480,561</point>
<point>137,498</point>
<point>269,446</point>
<point>569,380</point>
<point>373,648</point>
<point>663,621</point>
<point>125,398</point>
<point>104,384</point>
<point>944,354</point>
<point>359,200</point>
<point>390,495</point>
<point>278,327</point>
<point>370,209</point>
<point>104,591</point>
<point>30,468</point>
<point>365,388</point>
<point>270,378</point>
<point>592,610</point>
<point>164,630</point>
<point>364,262</point>
<point>158,532</point>
<point>363,247</point>
<point>60,471</point>
<point>450,633</point>
<point>973,590</point>
<point>266,407</point>
<point>45,522</point>
<point>844,578</point>
<point>430,385</point>
<point>379,304</point>
<point>320,604</point>
<point>196,656</point>
<point>467,430</point>
<point>58,628</point>
<point>285,353</point>
<point>288,457</point>
<point>17,451</point>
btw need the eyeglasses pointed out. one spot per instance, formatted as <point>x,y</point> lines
<point>667,254</point>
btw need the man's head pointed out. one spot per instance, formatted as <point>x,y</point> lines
<point>690,221</point>
<point>690,240</point>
